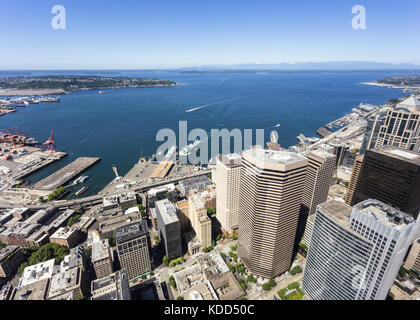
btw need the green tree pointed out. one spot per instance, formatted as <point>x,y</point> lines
<point>111,241</point>
<point>403,272</point>
<point>74,219</point>
<point>2,245</point>
<point>165,261</point>
<point>241,268</point>
<point>172,282</point>
<point>243,284</point>
<point>296,270</point>
<point>22,267</point>
<point>251,279</point>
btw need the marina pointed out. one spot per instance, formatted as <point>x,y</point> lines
<point>62,176</point>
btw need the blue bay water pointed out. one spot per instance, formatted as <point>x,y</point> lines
<point>121,125</point>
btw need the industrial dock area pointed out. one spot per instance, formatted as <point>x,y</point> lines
<point>64,175</point>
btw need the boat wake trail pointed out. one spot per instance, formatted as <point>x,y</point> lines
<point>208,105</point>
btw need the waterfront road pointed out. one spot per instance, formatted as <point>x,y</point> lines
<point>97,199</point>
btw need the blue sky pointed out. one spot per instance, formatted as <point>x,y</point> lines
<point>177,33</point>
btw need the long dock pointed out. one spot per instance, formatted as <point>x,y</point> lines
<point>323,132</point>
<point>65,174</point>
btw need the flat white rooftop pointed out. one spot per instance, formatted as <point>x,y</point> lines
<point>404,154</point>
<point>273,156</point>
<point>37,272</point>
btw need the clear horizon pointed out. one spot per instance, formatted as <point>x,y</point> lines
<point>185,33</point>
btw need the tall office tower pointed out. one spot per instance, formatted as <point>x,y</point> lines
<point>354,179</point>
<point>319,175</point>
<point>133,245</point>
<point>226,175</point>
<point>413,259</point>
<point>169,227</point>
<point>200,222</point>
<point>102,258</point>
<point>374,123</point>
<point>270,195</point>
<point>391,175</point>
<point>356,253</point>
<point>402,126</point>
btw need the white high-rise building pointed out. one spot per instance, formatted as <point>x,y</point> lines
<point>355,253</point>
<point>226,175</point>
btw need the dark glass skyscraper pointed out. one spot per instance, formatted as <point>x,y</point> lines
<point>391,175</point>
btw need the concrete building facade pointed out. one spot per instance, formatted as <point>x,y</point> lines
<point>169,227</point>
<point>270,196</point>
<point>226,175</point>
<point>200,222</point>
<point>402,126</point>
<point>102,259</point>
<point>133,245</point>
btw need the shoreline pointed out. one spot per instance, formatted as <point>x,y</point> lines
<point>44,92</point>
<point>390,86</point>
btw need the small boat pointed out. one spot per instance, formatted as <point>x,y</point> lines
<point>101,92</point>
<point>81,191</point>
<point>77,181</point>
<point>84,179</point>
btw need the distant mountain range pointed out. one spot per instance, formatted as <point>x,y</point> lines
<point>334,65</point>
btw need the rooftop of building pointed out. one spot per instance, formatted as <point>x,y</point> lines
<point>162,189</point>
<point>384,213</point>
<point>110,223</point>
<point>272,156</point>
<point>201,291</point>
<point>189,277</point>
<point>74,259</point>
<point>131,231</point>
<point>18,210</point>
<point>196,201</point>
<point>195,180</point>
<point>112,287</point>
<point>167,211</point>
<point>61,217</point>
<point>412,104</point>
<point>127,196</point>
<point>337,210</point>
<point>21,229</point>
<point>230,160</point>
<point>7,251</point>
<point>37,272</point>
<point>110,200</point>
<point>63,233</point>
<point>322,153</point>
<point>227,286</point>
<point>182,205</point>
<point>399,153</point>
<point>64,280</point>
<point>35,291</point>
<point>100,250</point>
